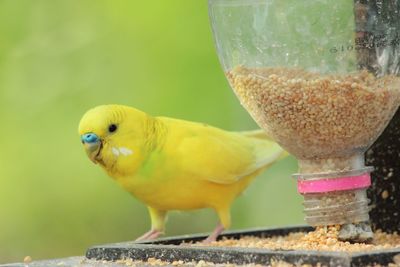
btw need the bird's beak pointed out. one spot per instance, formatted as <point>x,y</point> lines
<point>93,145</point>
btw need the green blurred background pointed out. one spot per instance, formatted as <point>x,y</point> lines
<point>59,58</point>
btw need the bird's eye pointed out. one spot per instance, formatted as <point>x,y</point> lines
<point>112,128</point>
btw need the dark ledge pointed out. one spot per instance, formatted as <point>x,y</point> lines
<point>168,249</point>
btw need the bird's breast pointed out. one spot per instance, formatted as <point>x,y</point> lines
<point>182,192</point>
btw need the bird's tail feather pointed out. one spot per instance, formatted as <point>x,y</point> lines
<point>261,134</point>
<point>283,155</point>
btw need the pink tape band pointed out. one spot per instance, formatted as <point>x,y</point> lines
<point>334,184</point>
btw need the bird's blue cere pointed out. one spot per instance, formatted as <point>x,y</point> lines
<point>89,138</point>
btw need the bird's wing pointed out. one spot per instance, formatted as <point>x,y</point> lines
<point>227,157</point>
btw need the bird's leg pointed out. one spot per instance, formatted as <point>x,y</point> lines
<point>213,236</point>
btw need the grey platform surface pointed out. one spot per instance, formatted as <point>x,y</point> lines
<point>67,262</point>
<point>81,261</point>
<point>78,261</point>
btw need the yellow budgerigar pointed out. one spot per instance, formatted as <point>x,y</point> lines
<point>172,164</point>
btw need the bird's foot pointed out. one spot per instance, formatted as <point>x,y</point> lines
<point>150,235</point>
<point>214,235</point>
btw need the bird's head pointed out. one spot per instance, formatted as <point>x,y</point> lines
<point>113,135</point>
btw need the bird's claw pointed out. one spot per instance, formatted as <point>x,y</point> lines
<point>214,235</point>
<point>150,235</point>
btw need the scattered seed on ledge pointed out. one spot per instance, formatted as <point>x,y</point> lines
<point>322,239</point>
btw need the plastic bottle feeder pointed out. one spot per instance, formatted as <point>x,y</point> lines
<point>308,79</point>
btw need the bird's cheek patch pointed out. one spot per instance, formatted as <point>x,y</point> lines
<point>121,151</point>
<point>125,151</point>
